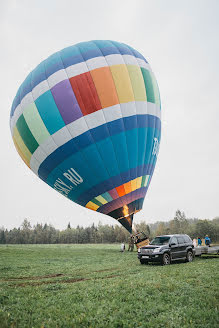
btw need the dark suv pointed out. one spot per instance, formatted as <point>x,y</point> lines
<point>167,248</point>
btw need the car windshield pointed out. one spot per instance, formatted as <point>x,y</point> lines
<point>160,241</point>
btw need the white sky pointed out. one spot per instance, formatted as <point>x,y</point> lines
<point>180,41</point>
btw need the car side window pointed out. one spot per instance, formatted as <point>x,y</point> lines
<point>186,239</point>
<point>174,240</point>
<point>180,240</point>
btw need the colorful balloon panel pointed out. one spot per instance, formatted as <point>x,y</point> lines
<point>87,121</point>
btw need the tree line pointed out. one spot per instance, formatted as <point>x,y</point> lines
<point>47,234</point>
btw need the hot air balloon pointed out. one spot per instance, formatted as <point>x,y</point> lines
<point>87,121</point>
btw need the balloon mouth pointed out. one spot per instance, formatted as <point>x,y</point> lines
<point>124,214</point>
<point>126,221</point>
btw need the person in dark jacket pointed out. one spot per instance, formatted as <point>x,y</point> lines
<point>207,241</point>
<point>131,243</point>
<point>199,241</point>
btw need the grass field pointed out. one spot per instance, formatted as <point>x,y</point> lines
<point>97,286</point>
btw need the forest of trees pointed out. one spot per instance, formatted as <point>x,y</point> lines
<point>47,234</point>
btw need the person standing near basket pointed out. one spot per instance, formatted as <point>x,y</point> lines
<point>207,241</point>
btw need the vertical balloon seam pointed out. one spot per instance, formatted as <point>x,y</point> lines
<point>78,149</point>
<point>18,95</point>
<point>108,64</point>
<point>44,149</point>
<point>23,113</point>
<point>155,155</point>
<point>115,45</point>
<point>138,175</point>
<point>148,133</point>
<point>123,181</point>
<point>151,169</point>
<point>151,153</point>
<point>123,204</point>
<point>147,117</point>
<point>155,89</point>
<point>118,99</point>
<point>110,137</point>
<point>145,140</point>
<point>159,140</point>
<point>136,115</point>
<point>121,110</point>
<point>13,132</point>
<point>132,194</point>
<point>156,130</point>
<point>108,132</point>
<point>135,109</point>
<point>137,131</point>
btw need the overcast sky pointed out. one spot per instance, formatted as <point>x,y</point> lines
<point>180,41</point>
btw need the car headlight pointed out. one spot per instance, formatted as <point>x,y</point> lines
<point>139,250</point>
<point>156,250</point>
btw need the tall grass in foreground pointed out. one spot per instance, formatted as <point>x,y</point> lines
<point>97,286</point>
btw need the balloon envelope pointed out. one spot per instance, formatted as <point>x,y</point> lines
<point>87,121</point>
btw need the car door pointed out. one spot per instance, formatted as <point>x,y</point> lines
<point>182,247</point>
<point>174,248</point>
<point>188,243</point>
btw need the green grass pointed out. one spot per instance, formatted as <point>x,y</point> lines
<point>97,286</point>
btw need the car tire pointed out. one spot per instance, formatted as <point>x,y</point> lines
<point>189,256</point>
<point>143,262</point>
<point>166,260</point>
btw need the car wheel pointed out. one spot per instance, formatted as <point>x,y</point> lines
<point>143,262</point>
<point>166,259</point>
<point>189,256</point>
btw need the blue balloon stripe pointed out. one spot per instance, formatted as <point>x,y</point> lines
<point>53,64</point>
<point>26,87</point>
<point>91,174</point>
<point>71,56</point>
<point>83,141</point>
